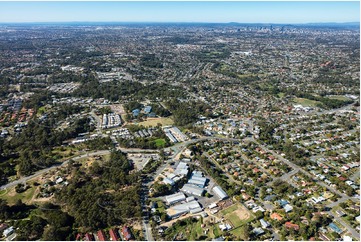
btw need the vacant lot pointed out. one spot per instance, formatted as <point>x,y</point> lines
<point>154,121</point>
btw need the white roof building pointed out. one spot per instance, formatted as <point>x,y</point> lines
<point>8,231</point>
<point>213,205</point>
<point>347,238</point>
<point>192,190</point>
<point>178,210</point>
<point>198,182</point>
<point>182,169</point>
<point>264,223</point>
<point>219,192</point>
<point>169,181</point>
<point>175,198</point>
<point>288,208</point>
<point>197,174</point>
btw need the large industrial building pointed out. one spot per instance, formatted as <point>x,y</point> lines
<point>182,169</point>
<point>175,198</point>
<point>178,210</point>
<point>197,179</point>
<point>219,192</point>
<point>174,134</point>
<point>192,190</point>
<point>166,180</point>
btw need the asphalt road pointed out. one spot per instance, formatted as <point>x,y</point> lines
<point>147,230</point>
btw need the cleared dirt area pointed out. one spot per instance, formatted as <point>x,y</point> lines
<point>169,223</point>
<point>117,108</point>
<point>242,213</point>
<point>154,121</point>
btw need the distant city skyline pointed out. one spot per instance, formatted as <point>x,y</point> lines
<point>213,12</point>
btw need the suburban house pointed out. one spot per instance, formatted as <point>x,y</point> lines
<point>276,216</point>
<point>290,225</point>
<point>127,234</point>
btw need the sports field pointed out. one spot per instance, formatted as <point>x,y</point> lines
<point>237,214</point>
<point>306,102</point>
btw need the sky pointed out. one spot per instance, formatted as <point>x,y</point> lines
<point>149,11</point>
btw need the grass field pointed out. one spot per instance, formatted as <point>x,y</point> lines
<point>195,231</point>
<point>306,102</point>
<point>160,142</point>
<point>65,152</point>
<point>239,232</point>
<point>154,121</point>
<point>216,231</point>
<point>41,110</point>
<point>250,75</point>
<point>12,197</point>
<point>234,218</point>
<point>161,206</point>
<point>123,116</point>
<point>281,94</point>
<point>191,231</point>
<point>230,209</point>
<point>339,97</point>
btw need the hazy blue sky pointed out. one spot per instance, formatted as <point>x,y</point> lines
<point>244,12</point>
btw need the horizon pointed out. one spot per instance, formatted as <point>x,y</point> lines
<point>181,12</point>
<point>177,22</point>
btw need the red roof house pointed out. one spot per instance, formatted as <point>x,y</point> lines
<point>101,235</point>
<point>89,237</point>
<point>290,225</point>
<point>276,216</point>
<point>127,235</point>
<point>113,235</point>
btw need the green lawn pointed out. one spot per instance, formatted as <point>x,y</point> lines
<point>306,102</point>
<point>281,94</point>
<point>191,231</point>
<point>160,142</point>
<point>235,220</point>
<point>249,75</point>
<point>24,196</point>
<point>339,97</point>
<point>123,116</point>
<point>230,209</point>
<point>161,206</point>
<point>41,110</point>
<point>2,192</point>
<point>330,236</point>
<point>216,231</point>
<point>238,232</point>
<point>195,231</point>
